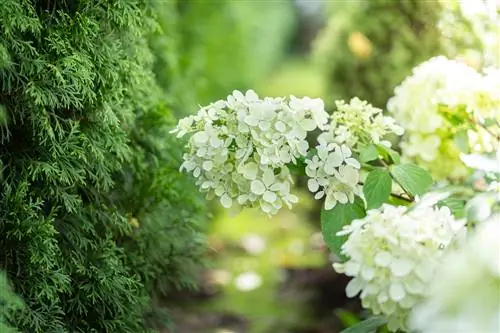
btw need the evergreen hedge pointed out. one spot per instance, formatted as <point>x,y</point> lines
<point>94,218</point>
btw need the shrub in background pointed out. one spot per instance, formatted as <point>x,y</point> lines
<point>219,46</point>
<point>368,47</point>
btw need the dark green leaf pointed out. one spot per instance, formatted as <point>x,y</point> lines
<point>377,188</point>
<point>412,178</point>
<point>334,219</point>
<point>369,325</point>
<point>368,153</point>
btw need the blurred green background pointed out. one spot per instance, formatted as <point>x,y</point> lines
<point>274,275</point>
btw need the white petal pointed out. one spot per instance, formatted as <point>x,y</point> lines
<point>367,273</point>
<point>353,162</point>
<point>268,177</point>
<point>313,185</point>
<point>335,158</point>
<point>382,297</point>
<point>396,292</point>
<point>341,197</point>
<point>346,152</point>
<point>266,207</point>
<point>351,268</point>
<point>208,165</point>
<point>200,138</point>
<point>197,172</point>
<point>257,187</point>
<point>383,259</point>
<point>251,170</point>
<point>251,96</point>
<point>226,201</point>
<point>269,196</point>
<point>338,267</point>
<point>350,175</point>
<point>353,287</point>
<point>330,202</point>
<point>401,267</point>
<point>280,126</point>
<point>319,195</point>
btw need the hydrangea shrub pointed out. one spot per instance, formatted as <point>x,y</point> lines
<point>391,228</point>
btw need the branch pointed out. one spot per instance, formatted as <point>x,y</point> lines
<point>395,195</point>
<point>410,197</point>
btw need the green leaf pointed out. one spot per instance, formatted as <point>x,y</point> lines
<point>389,154</point>
<point>369,325</point>
<point>335,219</point>
<point>488,122</point>
<point>347,318</point>
<point>377,188</point>
<point>456,205</point>
<point>412,178</point>
<point>368,153</point>
<point>455,116</point>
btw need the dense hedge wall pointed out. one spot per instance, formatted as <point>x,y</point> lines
<point>94,217</point>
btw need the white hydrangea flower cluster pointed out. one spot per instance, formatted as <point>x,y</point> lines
<point>416,106</point>
<point>465,293</point>
<point>239,148</point>
<point>477,23</point>
<point>333,170</point>
<point>393,253</point>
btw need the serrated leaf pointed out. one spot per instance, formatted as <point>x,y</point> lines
<point>369,325</point>
<point>377,188</point>
<point>368,153</point>
<point>333,220</point>
<point>412,178</point>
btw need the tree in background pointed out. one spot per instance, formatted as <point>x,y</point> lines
<point>368,47</point>
<point>217,47</point>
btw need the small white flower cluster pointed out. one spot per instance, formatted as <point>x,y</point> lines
<point>416,106</point>
<point>393,253</point>
<point>240,147</point>
<point>465,293</point>
<point>358,122</point>
<point>333,170</point>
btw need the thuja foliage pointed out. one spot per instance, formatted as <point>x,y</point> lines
<point>9,302</point>
<point>368,47</point>
<point>92,221</point>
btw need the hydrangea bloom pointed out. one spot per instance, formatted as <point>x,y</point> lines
<point>333,170</point>
<point>239,148</point>
<point>418,103</point>
<point>392,253</point>
<point>465,293</point>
